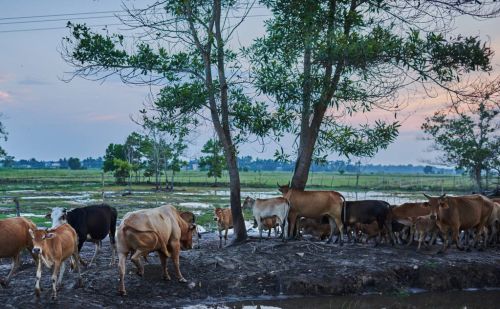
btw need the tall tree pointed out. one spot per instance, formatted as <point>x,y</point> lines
<point>3,135</point>
<point>468,132</point>
<point>184,47</point>
<point>323,60</point>
<point>214,160</point>
<point>74,163</point>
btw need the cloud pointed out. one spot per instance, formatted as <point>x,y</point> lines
<point>5,96</point>
<point>97,118</point>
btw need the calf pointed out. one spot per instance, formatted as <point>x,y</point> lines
<point>160,229</point>
<point>92,223</point>
<point>52,248</point>
<point>366,212</point>
<point>406,214</point>
<point>190,218</point>
<point>318,228</point>
<point>14,237</point>
<point>266,208</point>
<point>268,224</point>
<point>224,219</point>
<point>424,226</point>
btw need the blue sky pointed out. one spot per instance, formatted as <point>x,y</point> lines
<point>48,119</point>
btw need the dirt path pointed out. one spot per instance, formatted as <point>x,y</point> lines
<point>255,269</point>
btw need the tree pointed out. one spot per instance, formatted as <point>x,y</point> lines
<point>182,46</point>
<point>428,169</point>
<point>74,163</point>
<point>3,135</point>
<point>214,161</point>
<point>468,137</point>
<point>114,151</point>
<point>121,170</point>
<point>321,61</point>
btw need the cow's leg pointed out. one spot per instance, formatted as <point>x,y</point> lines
<point>444,231</point>
<point>220,238</point>
<point>136,259</point>
<point>97,246</point>
<point>225,235</point>
<point>412,235</point>
<point>14,265</point>
<point>57,266</point>
<point>38,276</point>
<point>163,260</point>
<point>477,238</point>
<point>493,233</point>
<point>333,224</point>
<point>122,258</point>
<point>175,258</point>
<point>269,233</point>
<point>420,239</point>
<point>292,225</point>
<point>61,274</point>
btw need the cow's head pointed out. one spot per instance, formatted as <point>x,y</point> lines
<point>283,189</point>
<point>248,203</point>
<point>187,237</point>
<point>58,216</point>
<point>38,237</point>
<point>436,203</point>
<point>217,214</point>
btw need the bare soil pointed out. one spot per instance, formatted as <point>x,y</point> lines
<point>257,269</point>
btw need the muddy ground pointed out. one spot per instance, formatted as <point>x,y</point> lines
<point>256,269</point>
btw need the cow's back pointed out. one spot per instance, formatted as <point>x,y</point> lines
<point>409,210</point>
<point>14,235</point>
<point>65,242</point>
<point>314,204</point>
<point>469,210</point>
<point>95,220</point>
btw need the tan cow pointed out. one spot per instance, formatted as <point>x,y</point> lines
<point>14,237</point>
<point>160,229</point>
<point>315,204</point>
<point>224,219</point>
<point>407,213</point>
<point>494,222</point>
<point>460,213</point>
<point>53,247</point>
<point>315,227</point>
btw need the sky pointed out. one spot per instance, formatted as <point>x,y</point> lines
<point>48,118</point>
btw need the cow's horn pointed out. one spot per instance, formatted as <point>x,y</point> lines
<point>427,196</point>
<point>278,184</point>
<point>443,195</point>
<point>288,185</point>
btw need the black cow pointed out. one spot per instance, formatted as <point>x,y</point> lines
<point>366,212</point>
<point>92,223</point>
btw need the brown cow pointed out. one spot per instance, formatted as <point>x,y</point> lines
<point>189,217</point>
<point>224,219</point>
<point>160,229</point>
<point>268,224</point>
<point>460,213</point>
<point>494,222</point>
<point>14,237</point>
<point>315,204</point>
<point>315,227</point>
<point>53,247</point>
<point>407,213</point>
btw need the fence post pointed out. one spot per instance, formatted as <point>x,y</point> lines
<point>18,209</point>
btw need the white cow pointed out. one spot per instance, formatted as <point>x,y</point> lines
<point>266,208</point>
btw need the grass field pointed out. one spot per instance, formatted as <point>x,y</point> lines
<point>40,190</point>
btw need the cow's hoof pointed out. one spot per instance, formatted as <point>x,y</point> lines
<point>182,280</point>
<point>54,297</point>
<point>166,278</point>
<point>37,293</point>
<point>481,249</point>
<point>440,252</point>
<point>4,283</point>
<point>122,293</point>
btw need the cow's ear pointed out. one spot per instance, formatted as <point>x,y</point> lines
<point>49,236</point>
<point>48,216</point>
<point>64,216</point>
<point>32,233</point>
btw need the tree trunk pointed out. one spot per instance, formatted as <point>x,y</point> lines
<point>477,179</point>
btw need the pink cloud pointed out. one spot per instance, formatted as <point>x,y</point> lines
<point>5,96</point>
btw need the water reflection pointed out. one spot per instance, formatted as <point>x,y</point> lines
<point>455,299</point>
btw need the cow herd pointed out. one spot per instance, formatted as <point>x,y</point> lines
<point>167,231</point>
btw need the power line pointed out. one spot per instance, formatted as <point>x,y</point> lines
<point>55,28</point>
<point>62,14</point>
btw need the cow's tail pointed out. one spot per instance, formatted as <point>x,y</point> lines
<point>344,210</point>
<point>112,225</point>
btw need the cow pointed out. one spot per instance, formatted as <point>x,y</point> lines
<point>494,222</point>
<point>52,248</point>
<point>424,226</point>
<point>314,204</point>
<point>189,217</point>
<point>268,224</point>
<point>457,213</point>
<point>92,223</point>
<point>267,208</point>
<point>14,238</point>
<point>160,229</point>
<point>224,219</point>
<point>366,212</point>
<point>407,213</point>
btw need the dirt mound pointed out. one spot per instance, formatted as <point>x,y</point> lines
<point>255,269</point>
